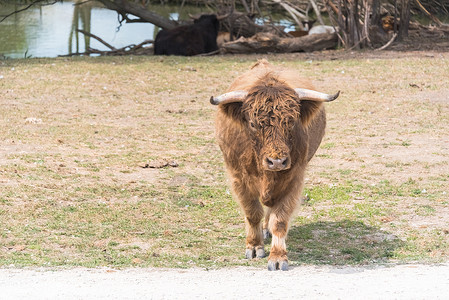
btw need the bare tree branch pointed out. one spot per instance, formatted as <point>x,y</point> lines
<point>30,5</point>
<point>317,11</point>
<point>428,14</point>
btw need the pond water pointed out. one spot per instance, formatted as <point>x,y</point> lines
<point>49,31</point>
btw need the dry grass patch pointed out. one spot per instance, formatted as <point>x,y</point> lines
<point>78,136</point>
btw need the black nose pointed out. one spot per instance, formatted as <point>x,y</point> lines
<point>277,164</point>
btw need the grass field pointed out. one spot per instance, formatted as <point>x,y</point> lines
<point>112,162</point>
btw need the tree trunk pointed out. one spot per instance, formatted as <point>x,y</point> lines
<point>124,7</point>
<point>404,19</point>
<point>353,24</point>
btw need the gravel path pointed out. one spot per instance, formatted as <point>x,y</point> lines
<point>305,282</point>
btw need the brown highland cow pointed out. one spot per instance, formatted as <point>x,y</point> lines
<point>268,126</point>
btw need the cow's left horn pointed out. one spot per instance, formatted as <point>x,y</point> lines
<point>195,17</point>
<point>305,94</point>
<point>235,96</point>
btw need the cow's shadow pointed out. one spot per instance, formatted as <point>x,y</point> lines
<point>340,243</point>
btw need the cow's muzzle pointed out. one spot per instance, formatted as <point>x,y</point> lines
<point>277,164</point>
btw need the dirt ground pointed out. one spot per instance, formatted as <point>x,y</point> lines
<point>306,282</point>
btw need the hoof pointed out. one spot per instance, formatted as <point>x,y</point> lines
<point>272,265</point>
<point>283,265</point>
<point>250,253</point>
<point>277,265</point>
<point>257,252</point>
<point>266,234</point>
<point>260,252</point>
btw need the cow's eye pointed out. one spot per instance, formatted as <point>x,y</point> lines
<point>252,125</point>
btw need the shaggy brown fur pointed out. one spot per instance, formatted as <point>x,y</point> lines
<point>270,123</point>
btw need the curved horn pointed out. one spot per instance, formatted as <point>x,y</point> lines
<point>235,96</point>
<point>305,94</point>
<point>222,17</point>
<point>194,17</point>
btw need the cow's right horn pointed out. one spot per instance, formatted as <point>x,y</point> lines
<point>305,94</point>
<point>222,17</point>
<point>235,96</point>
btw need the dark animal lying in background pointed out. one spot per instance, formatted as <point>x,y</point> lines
<point>188,40</point>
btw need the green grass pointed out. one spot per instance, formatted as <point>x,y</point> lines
<point>75,190</point>
<point>341,243</point>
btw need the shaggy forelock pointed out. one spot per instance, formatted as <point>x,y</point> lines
<point>271,103</point>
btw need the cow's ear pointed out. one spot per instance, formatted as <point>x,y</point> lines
<point>233,111</point>
<point>308,111</point>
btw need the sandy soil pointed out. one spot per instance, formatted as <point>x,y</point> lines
<point>305,282</point>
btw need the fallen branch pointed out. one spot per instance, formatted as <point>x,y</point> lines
<point>132,49</point>
<point>387,44</point>
<point>209,53</point>
<point>97,38</point>
<point>270,43</point>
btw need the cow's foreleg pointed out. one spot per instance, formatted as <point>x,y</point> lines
<point>278,225</point>
<point>253,210</point>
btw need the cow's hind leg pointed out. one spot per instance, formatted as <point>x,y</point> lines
<point>266,231</point>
